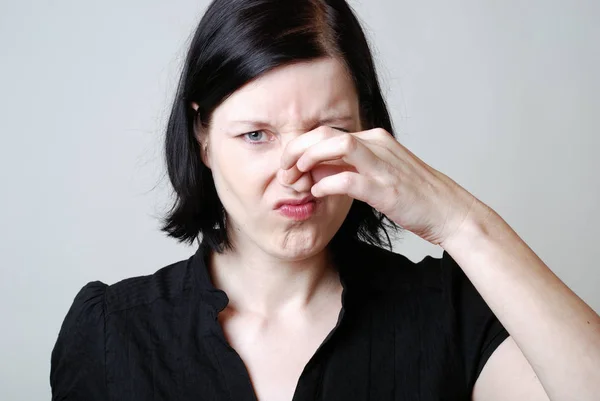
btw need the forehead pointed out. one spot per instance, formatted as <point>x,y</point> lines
<point>293,94</point>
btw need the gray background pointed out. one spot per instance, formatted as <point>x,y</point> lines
<point>501,96</point>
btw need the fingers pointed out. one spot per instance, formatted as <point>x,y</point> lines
<point>291,175</point>
<point>346,183</point>
<point>326,145</point>
<point>346,148</point>
<point>295,148</point>
<point>298,146</point>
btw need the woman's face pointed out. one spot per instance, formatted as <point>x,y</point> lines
<point>247,136</point>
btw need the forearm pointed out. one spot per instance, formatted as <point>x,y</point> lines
<point>557,332</point>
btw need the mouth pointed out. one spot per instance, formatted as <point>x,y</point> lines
<point>295,202</point>
<point>300,212</point>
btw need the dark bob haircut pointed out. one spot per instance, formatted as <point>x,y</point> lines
<point>235,42</point>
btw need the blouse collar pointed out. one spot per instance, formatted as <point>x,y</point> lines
<point>218,299</point>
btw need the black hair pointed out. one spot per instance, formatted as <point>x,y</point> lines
<point>235,42</point>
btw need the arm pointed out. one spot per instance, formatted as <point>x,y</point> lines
<point>558,334</point>
<point>554,334</point>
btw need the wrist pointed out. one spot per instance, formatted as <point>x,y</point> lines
<point>475,227</point>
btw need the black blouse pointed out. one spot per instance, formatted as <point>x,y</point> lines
<point>406,331</point>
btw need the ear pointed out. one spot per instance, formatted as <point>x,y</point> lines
<point>202,138</point>
<point>204,152</point>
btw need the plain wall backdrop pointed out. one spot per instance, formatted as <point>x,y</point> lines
<point>500,96</point>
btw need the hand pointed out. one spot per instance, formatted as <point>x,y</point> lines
<point>373,167</point>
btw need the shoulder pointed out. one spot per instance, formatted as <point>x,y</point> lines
<point>78,357</point>
<point>87,307</point>
<point>168,282</point>
<point>97,297</point>
<point>381,269</point>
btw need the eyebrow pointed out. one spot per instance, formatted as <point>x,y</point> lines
<point>336,119</point>
<point>328,120</point>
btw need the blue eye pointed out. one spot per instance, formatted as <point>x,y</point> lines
<point>254,136</point>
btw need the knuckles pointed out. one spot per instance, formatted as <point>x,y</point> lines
<point>348,142</point>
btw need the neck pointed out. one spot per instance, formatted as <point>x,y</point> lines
<point>258,282</point>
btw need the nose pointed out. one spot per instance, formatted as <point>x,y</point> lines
<point>301,185</point>
<point>300,182</point>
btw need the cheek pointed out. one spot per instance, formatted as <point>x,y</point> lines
<point>244,172</point>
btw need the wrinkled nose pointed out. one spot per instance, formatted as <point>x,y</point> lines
<point>303,184</point>
<point>296,180</point>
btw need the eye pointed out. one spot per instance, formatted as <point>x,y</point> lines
<point>254,136</point>
<point>341,129</point>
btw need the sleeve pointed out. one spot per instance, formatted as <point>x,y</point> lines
<point>479,330</point>
<point>77,366</point>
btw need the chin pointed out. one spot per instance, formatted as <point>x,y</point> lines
<point>297,246</point>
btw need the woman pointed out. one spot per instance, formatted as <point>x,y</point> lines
<point>281,152</point>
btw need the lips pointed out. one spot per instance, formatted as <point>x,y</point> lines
<point>295,202</point>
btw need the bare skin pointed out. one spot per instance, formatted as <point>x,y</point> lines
<point>275,349</point>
